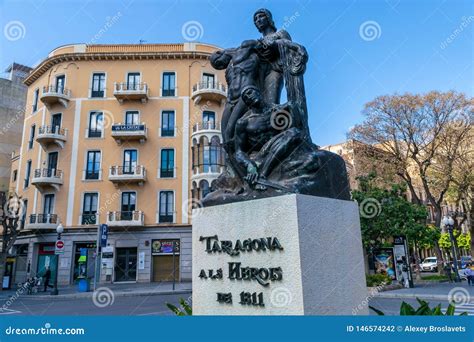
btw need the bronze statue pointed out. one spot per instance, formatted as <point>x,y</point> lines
<point>268,145</point>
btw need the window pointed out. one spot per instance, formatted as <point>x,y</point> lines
<point>167,163</point>
<point>208,80</point>
<point>89,208</point>
<point>32,137</point>
<point>60,82</point>
<point>129,161</point>
<point>53,164</point>
<point>132,118</point>
<point>98,85</point>
<point>93,165</point>
<point>48,204</point>
<point>209,120</point>
<point>15,175</point>
<point>56,123</point>
<point>204,188</point>
<point>210,158</point>
<point>35,100</point>
<point>27,174</point>
<point>96,124</point>
<point>169,80</point>
<point>23,216</point>
<point>133,81</point>
<point>167,123</point>
<point>166,206</point>
<point>129,202</point>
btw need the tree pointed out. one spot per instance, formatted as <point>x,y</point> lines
<point>386,213</point>
<point>426,135</point>
<point>11,211</point>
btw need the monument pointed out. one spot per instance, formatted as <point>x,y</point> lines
<point>278,234</point>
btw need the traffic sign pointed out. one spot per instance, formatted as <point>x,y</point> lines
<point>104,232</point>
<point>59,247</point>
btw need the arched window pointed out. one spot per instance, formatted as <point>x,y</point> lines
<point>204,188</point>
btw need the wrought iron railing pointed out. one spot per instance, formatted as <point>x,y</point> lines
<point>136,170</point>
<point>54,89</point>
<point>43,219</point>
<point>48,173</point>
<point>135,215</point>
<point>49,129</point>
<point>209,85</point>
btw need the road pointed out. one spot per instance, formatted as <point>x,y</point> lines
<point>156,305</point>
<point>128,306</point>
<point>391,306</point>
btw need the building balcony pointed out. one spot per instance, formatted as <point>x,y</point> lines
<point>45,178</point>
<point>207,128</point>
<point>89,219</point>
<point>209,91</point>
<point>125,218</point>
<point>53,95</point>
<point>166,217</point>
<point>131,92</point>
<point>209,173</point>
<point>121,174</point>
<point>51,135</point>
<point>129,132</point>
<point>42,221</point>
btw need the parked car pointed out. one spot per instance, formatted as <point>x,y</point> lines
<point>429,264</point>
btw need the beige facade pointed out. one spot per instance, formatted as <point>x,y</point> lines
<point>108,137</point>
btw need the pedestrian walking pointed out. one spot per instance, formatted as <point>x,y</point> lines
<point>47,277</point>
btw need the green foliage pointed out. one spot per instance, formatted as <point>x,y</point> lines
<point>394,214</point>
<point>463,240</point>
<point>434,277</point>
<point>377,279</point>
<point>184,309</point>
<point>423,310</point>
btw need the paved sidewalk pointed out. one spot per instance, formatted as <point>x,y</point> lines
<point>435,291</point>
<point>119,290</point>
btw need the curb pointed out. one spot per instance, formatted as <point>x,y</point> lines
<point>91,293</point>
<point>410,296</point>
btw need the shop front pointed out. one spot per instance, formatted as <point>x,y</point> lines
<point>166,260</point>
<point>47,258</point>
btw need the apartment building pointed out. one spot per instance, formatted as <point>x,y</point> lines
<point>123,135</point>
<point>12,105</point>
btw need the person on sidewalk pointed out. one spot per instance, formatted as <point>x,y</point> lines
<point>47,277</point>
<point>470,275</point>
<point>447,269</point>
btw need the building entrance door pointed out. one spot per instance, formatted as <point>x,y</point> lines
<point>126,264</point>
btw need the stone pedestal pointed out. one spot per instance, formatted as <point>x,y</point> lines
<point>298,255</point>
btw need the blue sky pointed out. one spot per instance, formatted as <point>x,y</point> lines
<point>405,46</point>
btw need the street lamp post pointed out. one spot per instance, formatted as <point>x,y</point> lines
<point>59,230</point>
<point>449,224</point>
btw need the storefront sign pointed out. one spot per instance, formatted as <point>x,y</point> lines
<point>164,246</point>
<point>108,252</point>
<point>141,260</point>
